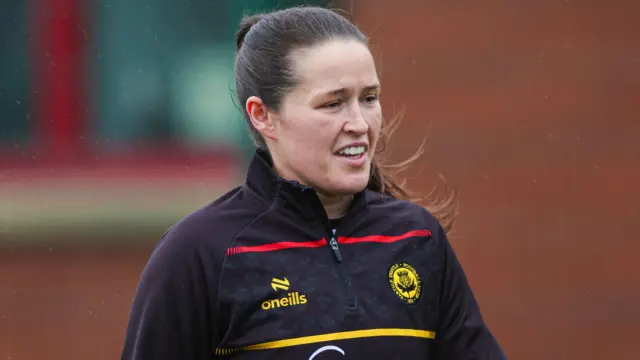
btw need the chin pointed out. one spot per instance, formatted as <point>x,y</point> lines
<point>350,184</point>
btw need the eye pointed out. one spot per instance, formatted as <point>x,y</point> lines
<point>333,104</point>
<point>371,98</point>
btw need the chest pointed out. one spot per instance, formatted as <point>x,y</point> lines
<point>303,284</point>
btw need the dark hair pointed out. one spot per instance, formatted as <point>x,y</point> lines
<point>262,68</point>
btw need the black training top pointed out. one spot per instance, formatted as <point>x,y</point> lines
<point>261,274</point>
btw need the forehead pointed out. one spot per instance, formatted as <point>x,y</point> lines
<point>333,65</point>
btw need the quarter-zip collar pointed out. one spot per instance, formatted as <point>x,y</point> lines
<point>263,180</point>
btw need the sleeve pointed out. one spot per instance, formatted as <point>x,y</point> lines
<point>171,315</point>
<point>461,332</point>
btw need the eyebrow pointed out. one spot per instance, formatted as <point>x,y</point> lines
<point>342,91</point>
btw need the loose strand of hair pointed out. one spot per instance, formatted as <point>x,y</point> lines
<point>385,179</point>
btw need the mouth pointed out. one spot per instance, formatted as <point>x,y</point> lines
<point>353,151</point>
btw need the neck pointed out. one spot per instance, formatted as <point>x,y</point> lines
<point>335,206</point>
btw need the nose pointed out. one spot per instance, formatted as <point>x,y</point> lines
<point>356,123</point>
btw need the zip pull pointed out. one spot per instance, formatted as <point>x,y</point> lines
<point>336,250</point>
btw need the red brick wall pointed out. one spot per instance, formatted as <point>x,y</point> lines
<point>66,303</point>
<point>530,109</point>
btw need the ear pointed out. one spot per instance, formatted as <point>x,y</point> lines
<point>260,117</point>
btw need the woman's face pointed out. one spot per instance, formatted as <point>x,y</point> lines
<point>327,128</point>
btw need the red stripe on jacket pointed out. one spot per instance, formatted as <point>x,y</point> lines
<point>382,238</point>
<point>283,245</point>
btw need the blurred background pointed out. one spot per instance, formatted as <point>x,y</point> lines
<point>117,119</point>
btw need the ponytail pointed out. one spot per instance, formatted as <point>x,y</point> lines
<point>245,25</point>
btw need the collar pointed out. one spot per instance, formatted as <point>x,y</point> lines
<point>263,180</point>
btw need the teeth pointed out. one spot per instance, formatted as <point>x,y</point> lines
<point>352,150</point>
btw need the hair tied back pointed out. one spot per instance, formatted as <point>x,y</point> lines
<point>245,25</point>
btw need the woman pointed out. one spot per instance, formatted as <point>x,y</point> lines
<point>315,256</point>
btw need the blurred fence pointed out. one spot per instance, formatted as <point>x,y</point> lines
<point>530,109</point>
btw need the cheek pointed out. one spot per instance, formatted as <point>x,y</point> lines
<point>375,124</point>
<point>307,140</point>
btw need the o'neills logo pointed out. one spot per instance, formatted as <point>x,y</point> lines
<point>292,299</point>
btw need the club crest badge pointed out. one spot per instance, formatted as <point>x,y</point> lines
<point>405,282</point>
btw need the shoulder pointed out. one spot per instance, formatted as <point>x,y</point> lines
<point>210,229</point>
<point>410,214</point>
